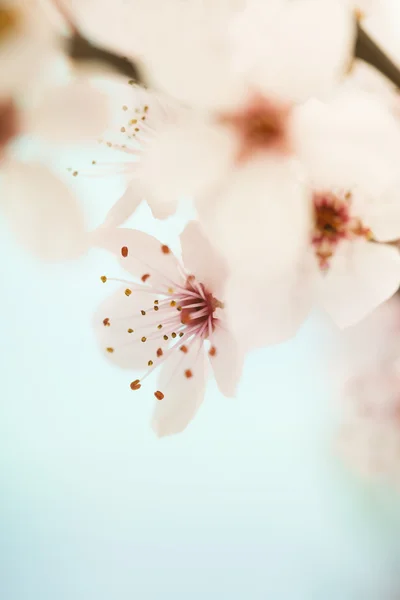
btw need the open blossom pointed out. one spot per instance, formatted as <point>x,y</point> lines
<point>169,319</point>
<point>137,115</point>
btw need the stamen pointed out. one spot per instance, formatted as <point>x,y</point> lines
<point>150,363</point>
<point>110,350</point>
<point>124,251</point>
<point>106,322</point>
<point>165,249</point>
<point>143,339</point>
<point>103,278</point>
<point>184,349</point>
<point>159,395</point>
<point>135,385</point>
<point>212,351</point>
<point>128,292</point>
<point>143,312</point>
<point>188,373</point>
<point>159,352</point>
<point>145,277</point>
<point>131,330</point>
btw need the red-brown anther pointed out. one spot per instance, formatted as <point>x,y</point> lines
<point>165,249</point>
<point>135,385</point>
<point>212,351</point>
<point>124,251</point>
<point>145,277</point>
<point>159,352</point>
<point>159,395</point>
<point>184,349</point>
<point>188,373</point>
<point>143,312</point>
<point>106,322</point>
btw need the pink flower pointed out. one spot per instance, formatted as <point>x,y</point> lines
<point>171,317</point>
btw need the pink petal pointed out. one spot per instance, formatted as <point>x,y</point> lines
<point>202,260</point>
<point>125,206</point>
<point>42,211</point>
<point>361,276</point>
<point>73,112</point>
<point>140,254</point>
<point>381,212</point>
<point>226,361</point>
<point>274,40</point>
<point>114,321</point>
<point>264,311</point>
<point>182,395</point>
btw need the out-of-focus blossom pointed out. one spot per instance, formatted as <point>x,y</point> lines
<point>137,116</point>
<point>27,44</point>
<point>367,376</point>
<point>171,317</point>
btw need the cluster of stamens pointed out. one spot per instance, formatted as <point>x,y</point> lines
<point>333,223</point>
<point>185,310</point>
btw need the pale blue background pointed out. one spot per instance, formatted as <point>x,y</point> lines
<point>249,503</point>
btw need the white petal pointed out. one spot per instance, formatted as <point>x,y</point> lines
<point>182,395</point>
<point>202,260</point>
<point>42,211</point>
<point>381,212</point>
<point>297,50</point>
<point>351,142</point>
<point>260,222</point>
<point>186,159</point>
<point>226,360</point>
<point>362,275</point>
<point>140,254</point>
<point>265,311</point>
<point>69,113</point>
<point>125,206</point>
<point>115,319</point>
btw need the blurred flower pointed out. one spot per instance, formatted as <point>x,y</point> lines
<point>169,319</point>
<point>138,115</point>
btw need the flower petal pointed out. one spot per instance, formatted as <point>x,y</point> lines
<point>140,254</point>
<point>119,326</point>
<point>73,112</point>
<point>202,260</point>
<point>42,211</point>
<point>226,360</point>
<point>381,212</point>
<point>183,394</point>
<point>125,206</point>
<point>362,275</point>
<point>277,44</point>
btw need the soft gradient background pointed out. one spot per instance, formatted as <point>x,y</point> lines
<point>248,503</point>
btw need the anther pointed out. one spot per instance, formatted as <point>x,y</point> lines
<point>159,326</point>
<point>144,339</point>
<point>143,312</point>
<point>188,373</point>
<point>150,363</point>
<point>173,334</point>
<point>165,337</point>
<point>128,292</point>
<point>130,330</point>
<point>181,334</point>
<point>156,307</point>
<point>124,251</point>
<point>172,303</point>
<point>110,350</point>
<point>159,395</point>
<point>159,352</point>
<point>155,301</point>
<point>184,349</point>
<point>103,278</point>
<point>106,322</point>
<point>165,249</point>
<point>212,351</point>
<point>135,385</point>
<point>145,277</point>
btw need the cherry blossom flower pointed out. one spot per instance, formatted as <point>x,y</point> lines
<point>136,116</point>
<point>170,318</point>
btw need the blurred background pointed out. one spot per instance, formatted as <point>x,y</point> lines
<point>250,502</point>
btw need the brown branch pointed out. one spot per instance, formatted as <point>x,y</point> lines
<point>367,50</point>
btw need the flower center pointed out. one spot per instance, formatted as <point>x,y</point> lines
<point>180,318</point>
<point>334,223</point>
<point>262,125</point>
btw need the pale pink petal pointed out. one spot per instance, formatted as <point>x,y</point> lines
<point>351,142</point>
<point>73,112</point>
<point>141,254</point>
<point>265,311</point>
<point>120,326</point>
<point>186,159</point>
<point>183,395</point>
<point>380,212</point>
<point>273,45</point>
<point>42,211</point>
<point>202,260</point>
<point>125,206</point>
<point>362,275</point>
<point>260,221</point>
<point>226,360</point>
